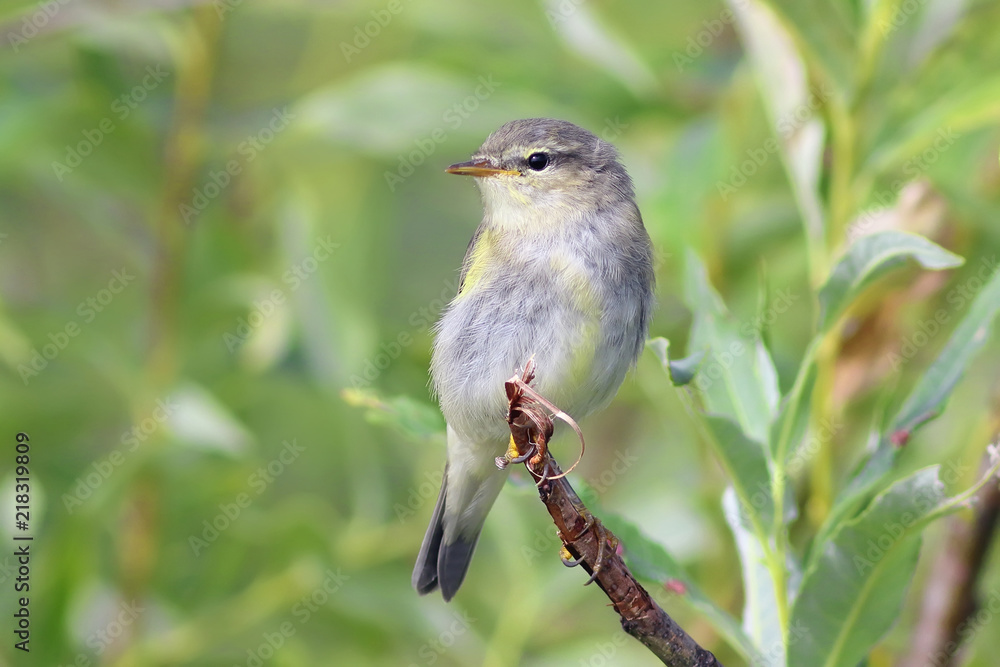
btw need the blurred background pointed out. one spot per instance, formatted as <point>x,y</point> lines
<point>225,232</point>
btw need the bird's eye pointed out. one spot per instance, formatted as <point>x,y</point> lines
<point>538,161</point>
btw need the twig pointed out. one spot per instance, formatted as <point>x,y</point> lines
<point>585,540</point>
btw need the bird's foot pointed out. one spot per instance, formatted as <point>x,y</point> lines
<point>605,540</point>
<point>513,455</point>
<point>567,558</point>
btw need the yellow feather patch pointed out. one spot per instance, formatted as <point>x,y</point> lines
<point>579,290</point>
<point>479,259</point>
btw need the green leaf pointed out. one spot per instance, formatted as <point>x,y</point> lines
<point>928,398</point>
<point>737,377</point>
<point>351,110</point>
<point>406,415</point>
<point>939,125</point>
<point>853,589</point>
<point>791,104</point>
<point>746,464</point>
<point>826,33</point>
<point>925,402</point>
<point>859,490</point>
<point>853,592</point>
<point>592,39</point>
<point>650,561</point>
<point>760,610</point>
<point>681,371</point>
<point>871,256</point>
<point>201,420</point>
<point>793,425</point>
<point>952,90</point>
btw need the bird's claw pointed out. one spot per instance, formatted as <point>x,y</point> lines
<point>513,456</point>
<point>605,540</point>
<point>567,558</point>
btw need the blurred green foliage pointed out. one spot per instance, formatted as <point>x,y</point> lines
<point>217,217</point>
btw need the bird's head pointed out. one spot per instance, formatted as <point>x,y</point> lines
<point>539,171</point>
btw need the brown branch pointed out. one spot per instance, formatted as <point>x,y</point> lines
<point>950,601</point>
<point>584,537</point>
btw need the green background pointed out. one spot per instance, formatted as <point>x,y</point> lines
<point>267,180</point>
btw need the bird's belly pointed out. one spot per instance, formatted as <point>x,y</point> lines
<point>484,339</point>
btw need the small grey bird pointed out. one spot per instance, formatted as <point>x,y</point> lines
<point>560,271</point>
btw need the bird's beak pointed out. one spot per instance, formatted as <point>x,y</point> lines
<point>478,168</point>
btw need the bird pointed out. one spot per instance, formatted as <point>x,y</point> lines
<point>559,272</point>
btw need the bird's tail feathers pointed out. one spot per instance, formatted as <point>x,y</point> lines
<point>446,552</point>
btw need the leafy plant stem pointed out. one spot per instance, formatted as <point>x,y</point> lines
<point>844,136</point>
<point>777,556</point>
<point>963,498</point>
<point>821,498</point>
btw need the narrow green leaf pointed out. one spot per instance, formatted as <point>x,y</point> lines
<point>416,419</point>
<point>939,125</point>
<point>791,104</point>
<point>852,593</point>
<point>871,256</point>
<point>951,90</point>
<point>760,610</point>
<point>795,422</point>
<point>746,463</point>
<point>681,371</point>
<point>928,398</point>
<point>867,481</point>
<point>925,402</point>
<point>826,33</point>
<point>853,588</point>
<point>736,378</point>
